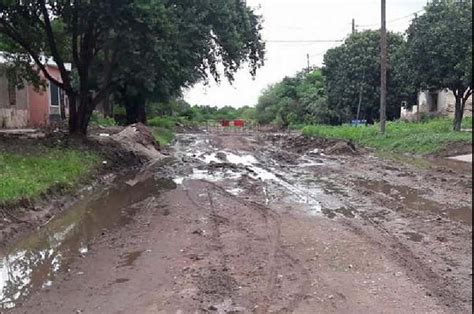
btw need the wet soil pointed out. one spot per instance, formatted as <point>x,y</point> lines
<point>261,224</point>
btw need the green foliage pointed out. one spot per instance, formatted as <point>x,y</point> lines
<point>402,137</point>
<point>299,99</point>
<point>187,42</point>
<point>28,176</point>
<point>440,45</point>
<point>355,65</point>
<point>467,123</point>
<point>439,53</point>
<point>163,136</point>
<point>163,122</point>
<point>98,120</point>
<point>178,111</point>
<point>138,50</point>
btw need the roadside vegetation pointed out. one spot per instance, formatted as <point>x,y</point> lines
<point>435,54</point>
<point>163,129</point>
<point>422,138</point>
<point>28,176</point>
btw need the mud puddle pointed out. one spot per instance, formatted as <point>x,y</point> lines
<point>231,166</point>
<point>416,200</point>
<point>33,262</point>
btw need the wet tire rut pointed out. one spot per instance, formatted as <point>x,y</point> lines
<point>269,278</point>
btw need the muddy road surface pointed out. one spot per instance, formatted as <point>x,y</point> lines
<point>256,224</point>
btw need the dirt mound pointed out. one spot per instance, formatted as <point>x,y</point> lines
<point>342,148</point>
<point>303,144</point>
<point>136,138</point>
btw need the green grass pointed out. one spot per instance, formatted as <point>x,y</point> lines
<point>402,137</point>
<point>163,136</point>
<point>467,123</point>
<point>29,176</point>
<point>162,122</point>
<point>97,120</point>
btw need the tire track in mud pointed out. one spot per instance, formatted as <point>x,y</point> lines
<point>442,289</point>
<point>379,236</point>
<point>406,258</point>
<point>279,261</point>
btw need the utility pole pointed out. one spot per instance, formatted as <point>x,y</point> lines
<point>383,69</point>
<point>353,26</point>
<point>308,63</point>
<point>361,94</point>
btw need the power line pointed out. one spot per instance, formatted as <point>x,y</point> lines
<point>393,20</point>
<point>303,41</point>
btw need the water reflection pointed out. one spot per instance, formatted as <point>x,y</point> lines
<point>32,263</point>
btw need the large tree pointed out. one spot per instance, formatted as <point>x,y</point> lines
<point>440,50</point>
<point>201,35</point>
<point>142,47</point>
<point>298,99</point>
<point>352,73</point>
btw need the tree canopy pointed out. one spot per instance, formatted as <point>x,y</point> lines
<point>139,49</point>
<point>294,100</point>
<point>439,52</point>
<point>352,72</point>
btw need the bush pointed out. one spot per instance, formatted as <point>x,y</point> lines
<point>162,122</point>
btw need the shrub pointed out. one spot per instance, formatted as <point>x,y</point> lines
<point>162,122</point>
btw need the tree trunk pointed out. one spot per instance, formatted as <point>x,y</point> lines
<point>72,113</point>
<point>459,111</point>
<point>107,106</point>
<point>79,116</point>
<point>135,108</point>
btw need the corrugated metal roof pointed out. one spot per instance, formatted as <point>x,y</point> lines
<point>44,60</point>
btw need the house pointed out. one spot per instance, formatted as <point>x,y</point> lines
<point>434,103</point>
<point>30,108</point>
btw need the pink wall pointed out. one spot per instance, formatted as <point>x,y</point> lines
<point>39,102</point>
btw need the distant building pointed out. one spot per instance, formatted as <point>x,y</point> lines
<point>22,108</point>
<point>434,103</point>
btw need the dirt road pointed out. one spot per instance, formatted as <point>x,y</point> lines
<point>257,224</point>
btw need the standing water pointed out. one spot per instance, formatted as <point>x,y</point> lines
<point>33,263</point>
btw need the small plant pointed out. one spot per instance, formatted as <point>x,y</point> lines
<point>100,121</point>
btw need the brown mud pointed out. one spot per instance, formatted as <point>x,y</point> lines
<point>261,223</point>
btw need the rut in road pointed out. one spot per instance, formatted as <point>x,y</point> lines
<point>266,267</point>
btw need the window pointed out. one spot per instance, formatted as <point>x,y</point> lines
<point>54,95</point>
<point>11,94</point>
<point>434,102</point>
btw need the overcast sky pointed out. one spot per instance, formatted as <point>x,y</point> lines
<point>301,20</point>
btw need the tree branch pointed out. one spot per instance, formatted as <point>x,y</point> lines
<point>74,34</point>
<point>108,79</point>
<point>53,46</point>
<point>16,37</point>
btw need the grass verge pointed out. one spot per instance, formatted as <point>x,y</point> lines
<point>403,137</point>
<point>30,175</point>
<point>163,136</point>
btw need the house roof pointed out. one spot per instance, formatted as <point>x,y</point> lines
<point>46,61</point>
